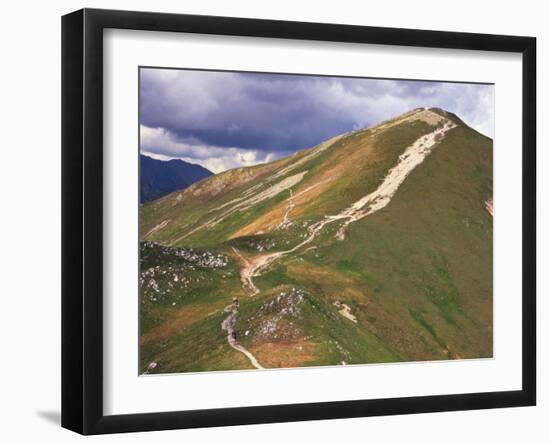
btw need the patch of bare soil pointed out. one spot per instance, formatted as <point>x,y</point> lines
<point>489,206</point>
<point>345,311</point>
<point>156,228</point>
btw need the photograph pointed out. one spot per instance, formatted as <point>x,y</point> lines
<point>264,222</point>
<point>310,220</point>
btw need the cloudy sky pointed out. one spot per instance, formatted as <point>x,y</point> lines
<point>223,120</point>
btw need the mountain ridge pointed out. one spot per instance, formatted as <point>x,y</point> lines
<point>160,177</point>
<point>388,225</point>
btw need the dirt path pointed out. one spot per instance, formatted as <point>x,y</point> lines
<point>413,156</point>
<point>245,204</point>
<point>290,207</point>
<point>229,325</point>
<point>158,227</point>
<point>247,270</point>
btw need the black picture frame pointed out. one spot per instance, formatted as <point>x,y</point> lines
<point>82,219</point>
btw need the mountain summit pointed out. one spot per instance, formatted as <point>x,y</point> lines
<point>373,246</point>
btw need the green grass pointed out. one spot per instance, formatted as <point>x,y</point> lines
<point>417,274</point>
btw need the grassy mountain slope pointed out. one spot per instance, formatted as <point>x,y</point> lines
<point>411,281</point>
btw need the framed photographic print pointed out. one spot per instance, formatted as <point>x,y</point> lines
<point>269,221</point>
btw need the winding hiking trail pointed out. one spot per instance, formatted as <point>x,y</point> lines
<point>252,267</point>
<point>413,156</point>
<point>290,207</point>
<point>229,325</point>
<point>244,203</point>
<point>246,274</point>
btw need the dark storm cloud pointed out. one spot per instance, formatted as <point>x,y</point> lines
<point>250,111</point>
<point>263,116</point>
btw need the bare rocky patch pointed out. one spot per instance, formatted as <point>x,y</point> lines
<point>489,206</point>
<point>345,311</point>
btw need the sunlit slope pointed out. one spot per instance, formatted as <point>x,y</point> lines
<point>322,277</point>
<point>419,272</point>
<point>250,201</point>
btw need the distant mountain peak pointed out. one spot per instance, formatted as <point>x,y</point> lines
<point>159,178</point>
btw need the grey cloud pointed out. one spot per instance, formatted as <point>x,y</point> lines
<point>277,114</point>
